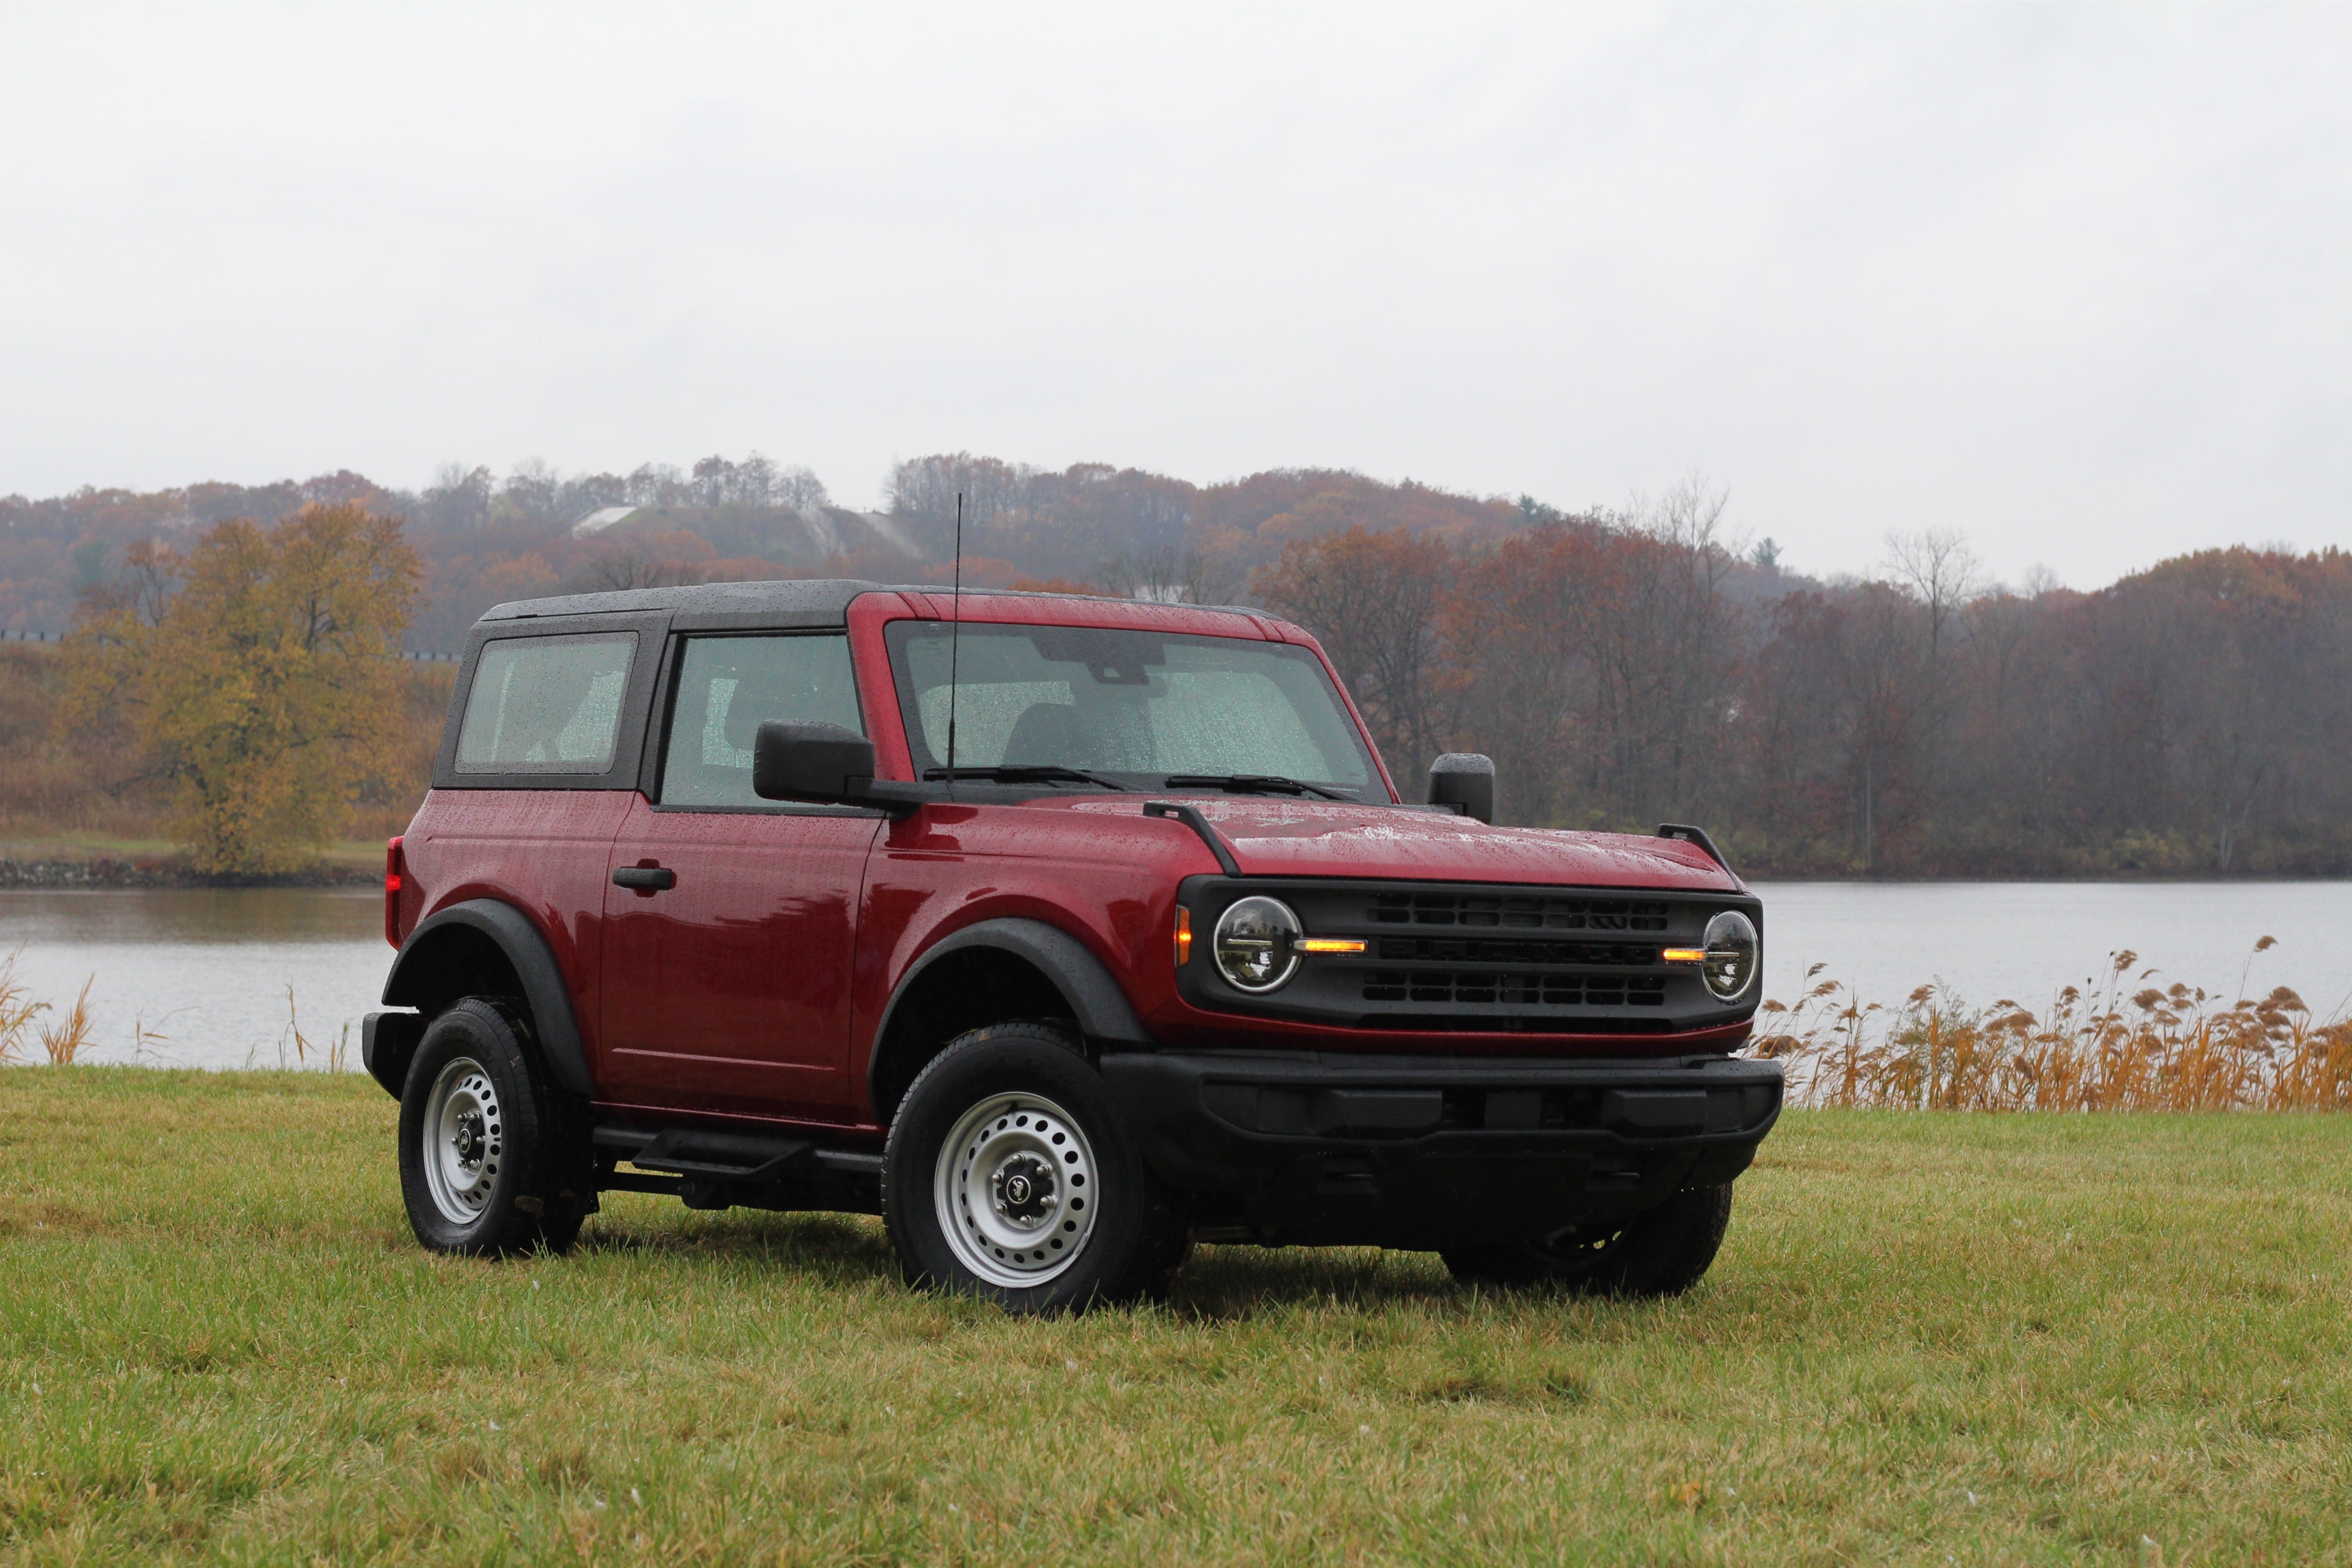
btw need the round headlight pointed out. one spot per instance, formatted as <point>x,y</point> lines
<point>1257,944</point>
<point>1729,967</point>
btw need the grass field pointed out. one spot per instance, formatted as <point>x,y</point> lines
<point>1930,1337</point>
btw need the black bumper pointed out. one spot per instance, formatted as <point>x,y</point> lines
<point>1426,1152</point>
<point>387,1041</point>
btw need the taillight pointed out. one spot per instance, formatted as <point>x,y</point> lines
<point>395,877</point>
<point>1184,936</point>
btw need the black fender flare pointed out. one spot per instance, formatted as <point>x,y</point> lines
<point>1095,999</point>
<point>527,950</point>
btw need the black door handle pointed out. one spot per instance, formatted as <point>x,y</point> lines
<point>645,878</point>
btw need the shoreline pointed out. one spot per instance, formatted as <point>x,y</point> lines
<point>107,873</point>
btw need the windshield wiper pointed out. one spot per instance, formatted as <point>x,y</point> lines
<point>1026,772</point>
<point>1252,784</point>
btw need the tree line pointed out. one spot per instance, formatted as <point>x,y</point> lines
<point>1624,666</point>
<point>482,538</point>
<point>1625,669</point>
<point>461,498</point>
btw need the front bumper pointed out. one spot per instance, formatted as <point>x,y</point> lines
<point>1427,1152</point>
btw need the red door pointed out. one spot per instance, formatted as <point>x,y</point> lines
<point>728,989</point>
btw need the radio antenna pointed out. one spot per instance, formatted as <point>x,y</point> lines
<point>955,643</point>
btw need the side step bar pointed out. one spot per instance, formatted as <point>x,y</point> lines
<point>728,1156</point>
<point>711,1168</point>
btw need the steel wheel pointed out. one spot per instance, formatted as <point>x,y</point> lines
<point>463,1139</point>
<point>1016,1190</point>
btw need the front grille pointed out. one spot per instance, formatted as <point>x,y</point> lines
<point>1524,912</point>
<point>1443,957</point>
<point>1488,986</point>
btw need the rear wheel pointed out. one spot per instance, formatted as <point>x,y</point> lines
<point>491,1157</point>
<point>1008,1175</point>
<point>1663,1251</point>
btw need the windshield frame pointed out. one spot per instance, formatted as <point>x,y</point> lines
<point>890,631</point>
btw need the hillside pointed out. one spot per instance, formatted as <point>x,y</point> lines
<point>485,539</point>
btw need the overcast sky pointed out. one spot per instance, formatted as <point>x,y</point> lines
<point>2077,282</point>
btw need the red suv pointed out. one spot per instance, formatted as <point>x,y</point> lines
<point>1061,932</point>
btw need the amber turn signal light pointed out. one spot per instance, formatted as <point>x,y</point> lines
<point>1329,944</point>
<point>1184,936</point>
<point>1685,955</point>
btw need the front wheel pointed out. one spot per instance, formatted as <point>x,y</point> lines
<point>1009,1175</point>
<point>490,1156</point>
<point>1661,1251</point>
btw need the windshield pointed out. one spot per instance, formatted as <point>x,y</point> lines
<point>1134,706</point>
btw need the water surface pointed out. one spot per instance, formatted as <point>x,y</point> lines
<point>202,977</point>
<point>206,974</point>
<point>2022,941</point>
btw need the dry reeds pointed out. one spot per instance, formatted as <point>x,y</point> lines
<point>61,1040</point>
<point>18,1009</point>
<point>67,1038</point>
<point>2169,1049</point>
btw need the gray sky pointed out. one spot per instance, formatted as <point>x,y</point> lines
<point>2077,282</point>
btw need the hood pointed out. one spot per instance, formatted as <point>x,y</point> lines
<point>1317,837</point>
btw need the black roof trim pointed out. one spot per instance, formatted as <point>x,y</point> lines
<point>823,595</point>
<point>804,602</point>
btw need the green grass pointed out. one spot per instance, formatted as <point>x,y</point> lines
<point>1929,1338</point>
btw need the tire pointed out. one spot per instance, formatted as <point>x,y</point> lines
<point>1663,1251</point>
<point>1009,1176</point>
<point>493,1159</point>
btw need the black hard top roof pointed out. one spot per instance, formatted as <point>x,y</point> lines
<point>797,598</point>
<point>810,601</point>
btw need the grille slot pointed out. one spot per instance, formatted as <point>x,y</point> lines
<point>1517,912</point>
<point>1471,987</point>
<point>1503,950</point>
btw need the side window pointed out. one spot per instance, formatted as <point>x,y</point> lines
<point>728,687</point>
<point>545,705</point>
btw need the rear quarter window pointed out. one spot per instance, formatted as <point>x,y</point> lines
<point>546,704</point>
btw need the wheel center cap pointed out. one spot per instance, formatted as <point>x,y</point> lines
<point>1024,1190</point>
<point>468,1141</point>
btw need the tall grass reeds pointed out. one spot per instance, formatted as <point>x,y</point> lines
<point>69,1034</point>
<point>2156,1048</point>
<point>18,1009</point>
<point>294,1028</point>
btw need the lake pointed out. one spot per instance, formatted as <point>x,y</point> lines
<point>226,977</point>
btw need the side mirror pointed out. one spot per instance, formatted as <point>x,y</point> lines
<point>811,762</point>
<point>1466,781</point>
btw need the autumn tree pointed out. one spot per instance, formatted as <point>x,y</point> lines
<point>1665,644</point>
<point>1372,600</point>
<point>1517,633</point>
<point>255,672</point>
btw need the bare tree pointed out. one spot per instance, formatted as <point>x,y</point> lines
<point>1665,644</point>
<point>1936,567</point>
<point>1372,600</point>
<point>532,488</point>
<point>630,566</point>
<point>1171,575</point>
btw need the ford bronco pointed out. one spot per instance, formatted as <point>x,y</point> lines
<point>1060,932</point>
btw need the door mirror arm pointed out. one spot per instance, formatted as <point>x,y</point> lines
<point>895,796</point>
